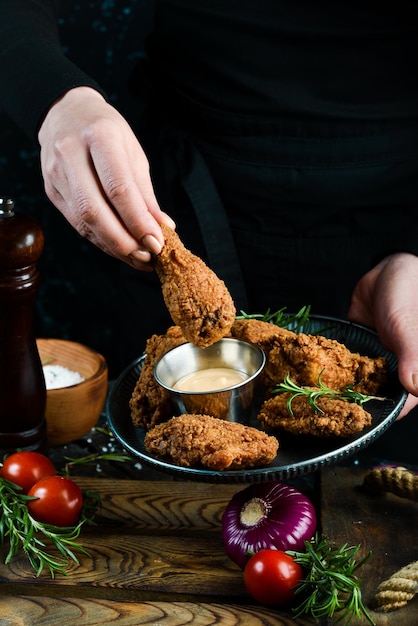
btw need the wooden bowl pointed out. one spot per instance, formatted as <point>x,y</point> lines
<point>71,412</point>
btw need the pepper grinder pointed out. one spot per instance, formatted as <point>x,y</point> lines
<point>22,382</point>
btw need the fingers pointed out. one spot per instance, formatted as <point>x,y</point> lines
<point>411,403</point>
<point>97,175</point>
<point>363,299</point>
<point>401,333</point>
<point>125,180</point>
<point>387,299</point>
<point>396,306</point>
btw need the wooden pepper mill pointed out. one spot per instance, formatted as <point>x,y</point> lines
<point>22,383</point>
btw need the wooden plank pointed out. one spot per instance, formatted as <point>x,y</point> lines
<point>160,505</point>
<point>152,540</point>
<point>132,565</point>
<point>386,525</point>
<point>48,611</point>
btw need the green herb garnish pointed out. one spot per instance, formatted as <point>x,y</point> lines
<point>280,318</point>
<point>90,459</point>
<point>22,531</point>
<point>331,584</point>
<point>313,393</point>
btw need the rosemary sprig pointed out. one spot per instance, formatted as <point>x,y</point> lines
<point>89,459</point>
<point>22,531</point>
<point>331,584</point>
<point>280,318</point>
<point>313,393</point>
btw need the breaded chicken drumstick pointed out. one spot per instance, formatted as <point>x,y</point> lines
<point>197,300</point>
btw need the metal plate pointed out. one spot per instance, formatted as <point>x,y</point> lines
<point>297,455</point>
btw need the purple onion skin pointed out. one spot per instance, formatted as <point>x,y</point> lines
<point>289,521</point>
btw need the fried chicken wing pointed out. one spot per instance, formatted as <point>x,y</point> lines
<point>306,357</point>
<point>150,404</point>
<point>205,441</point>
<point>338,418</point>
<point>267,337</point>
<point>197,300</point>
<point>372,374</point>
<point>264,334</point>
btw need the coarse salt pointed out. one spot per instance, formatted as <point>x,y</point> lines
<point>57,376</point>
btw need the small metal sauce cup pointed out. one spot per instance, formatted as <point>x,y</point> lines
<point>233,403</point>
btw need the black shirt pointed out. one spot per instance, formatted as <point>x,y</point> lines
<point>342,60</point>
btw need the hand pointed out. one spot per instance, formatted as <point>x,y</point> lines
<point>386,299</point>
<point>96,173</point>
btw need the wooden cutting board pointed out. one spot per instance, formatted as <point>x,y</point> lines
<point>157,558</point>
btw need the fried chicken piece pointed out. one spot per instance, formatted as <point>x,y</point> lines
<point>150,404</point>
<point>303,357</point>
<point>306,358</point>
<point>198,301</point>
<point>205,441</point>
<point>264,334</point>
<point>372,374</point>
<point>338,419</point>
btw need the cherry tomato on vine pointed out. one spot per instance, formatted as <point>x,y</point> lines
<point>25,468</point>
<point>59,501</point>
<point>270,576</point>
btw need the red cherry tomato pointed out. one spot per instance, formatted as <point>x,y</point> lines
<point>270,576</point>
<point>59,501</point>
<point>26,468</point>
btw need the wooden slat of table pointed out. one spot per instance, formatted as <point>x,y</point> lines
<point>49,611</point>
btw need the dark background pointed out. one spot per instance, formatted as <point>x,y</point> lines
<point>77,298</point>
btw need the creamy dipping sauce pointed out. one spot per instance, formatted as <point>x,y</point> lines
<point>211,379</point>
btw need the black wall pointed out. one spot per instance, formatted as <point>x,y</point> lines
<point>77,297</point>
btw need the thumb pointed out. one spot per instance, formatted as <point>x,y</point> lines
<point>386,298</point>
<point>400,336</point>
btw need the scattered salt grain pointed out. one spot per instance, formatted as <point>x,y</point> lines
<point>57,376</point>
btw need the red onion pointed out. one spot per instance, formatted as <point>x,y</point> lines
<point>266,515</point>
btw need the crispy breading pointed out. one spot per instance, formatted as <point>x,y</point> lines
<point>372,374</point>
<point>338,419</point>
<point>306,357</point>
<point>197,300</point>
<point>205,441</point>
<point>302,357</point>
<point>264,334</point>
<point>150,404</point>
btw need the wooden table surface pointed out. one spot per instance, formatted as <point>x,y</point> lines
<point>157,558</point>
